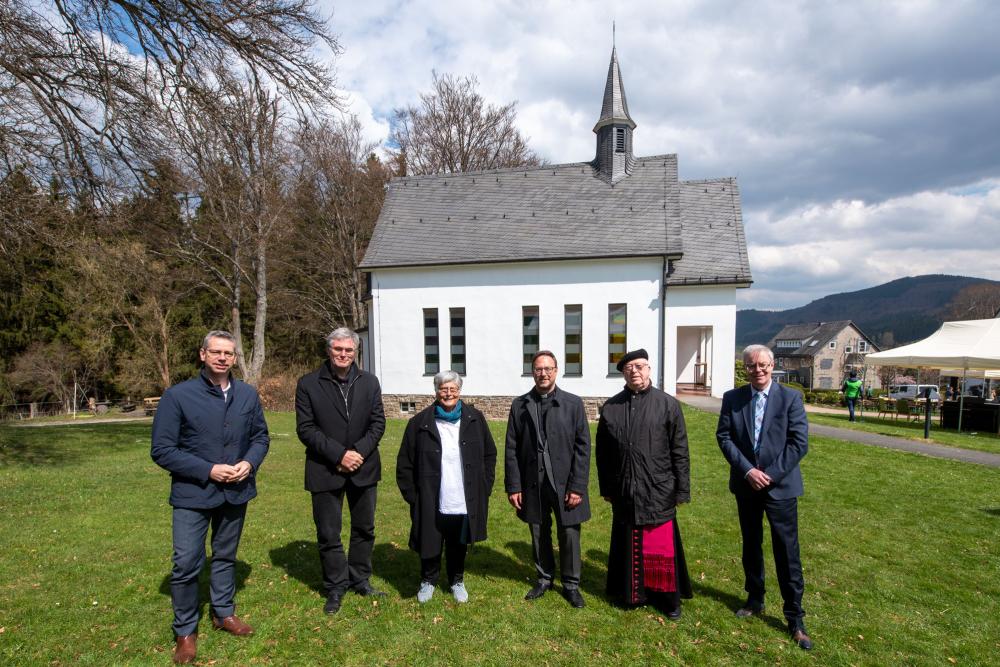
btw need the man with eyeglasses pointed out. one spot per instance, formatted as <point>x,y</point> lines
<point>643,470</point>
<point>547,469</point>
<point>340,419</point>
<point>210,434</point>
<point>763,433</point>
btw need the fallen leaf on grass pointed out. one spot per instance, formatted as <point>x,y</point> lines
<point>437,619</point>
<point>953,661</point>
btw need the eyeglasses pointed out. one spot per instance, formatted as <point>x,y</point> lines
<point>448,391</point>
<point>544,370</point>
<point>228,354</point>
<point>632,368</point>
<point>758,367</point>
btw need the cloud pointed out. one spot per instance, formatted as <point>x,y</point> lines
<point>834,117</point>
<point>849,245</point>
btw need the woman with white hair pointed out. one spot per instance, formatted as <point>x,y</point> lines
<point>445,471</point>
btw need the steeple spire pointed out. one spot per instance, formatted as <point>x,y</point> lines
<point>614,128</point>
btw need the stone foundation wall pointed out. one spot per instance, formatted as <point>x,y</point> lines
<point>404,406</point>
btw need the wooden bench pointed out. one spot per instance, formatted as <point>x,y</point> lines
<point>149,405</point>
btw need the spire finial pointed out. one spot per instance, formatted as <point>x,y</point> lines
<point>612,34</point>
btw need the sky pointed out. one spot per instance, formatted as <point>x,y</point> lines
<point>865,136</point>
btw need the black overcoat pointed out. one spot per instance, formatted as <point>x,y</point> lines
<point>330,419</point>
<point>418,475</point>
<point>642,456</point>
<point>568,438</point>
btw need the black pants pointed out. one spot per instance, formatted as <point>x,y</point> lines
<point>340,573</point>
<point>450,527</point>
<point>782,515</point>
<point>570,564</point>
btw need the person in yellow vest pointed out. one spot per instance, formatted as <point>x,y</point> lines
<point>852,392</point>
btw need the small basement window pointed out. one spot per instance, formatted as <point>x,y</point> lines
<point>407,407</point>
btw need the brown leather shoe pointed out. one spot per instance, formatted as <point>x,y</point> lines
<point>232,625</point>
<point>186,649</point>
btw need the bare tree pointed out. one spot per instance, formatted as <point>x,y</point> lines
<point>81,81</point>
<point>454,129</point>
<point>123,286</point>
<point>233,144</point>
<point>976,302</point>
<point>341,190</point>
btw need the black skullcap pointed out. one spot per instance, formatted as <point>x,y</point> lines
<point>631,356</point>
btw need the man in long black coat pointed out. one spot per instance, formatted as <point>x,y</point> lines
<point>340,419</point>
<point>643,469</point>
<point>547,469</point>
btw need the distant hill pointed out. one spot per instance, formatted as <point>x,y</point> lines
<point>893,314</point>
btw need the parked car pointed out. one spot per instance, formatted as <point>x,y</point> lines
<point>912,391</point>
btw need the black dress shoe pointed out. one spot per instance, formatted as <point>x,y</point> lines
<point>332,605</point>
<point>537,592</point>
<point>674,614</point>
<point>367,590</point>
<point>800,637</point>
<point>749,609</point>
<point>573,596</point>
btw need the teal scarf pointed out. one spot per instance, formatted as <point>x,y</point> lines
<point>452,417</point>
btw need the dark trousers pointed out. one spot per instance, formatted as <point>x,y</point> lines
<point>782,515</point>
<point>850,406</point>
<point>340,573</point>
<point>569,542</point>
<point>190,527</point>
<point>450,527</point>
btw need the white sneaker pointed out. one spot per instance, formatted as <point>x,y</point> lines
<point>426,592</point>
<point>458,590</point>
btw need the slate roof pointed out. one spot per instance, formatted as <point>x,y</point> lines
<point>614,106</point>
<point>821,332</point>
<point>564,212</point>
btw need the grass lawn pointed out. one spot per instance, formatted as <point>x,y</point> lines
<point>901,559</point>
<point>912,430</point>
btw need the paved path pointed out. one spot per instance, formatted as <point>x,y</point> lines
<point>85,420</point>
<point>711,404</point>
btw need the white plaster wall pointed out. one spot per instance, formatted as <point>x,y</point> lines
<point>688,342</point>
<point>492,296</point>
<point>702,306</point>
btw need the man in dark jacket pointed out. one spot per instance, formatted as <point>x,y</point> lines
<point>644,472</point>
<point>763,433</point>
<point>210,434</point>
<point>340,419</point>
<point>547,469</point>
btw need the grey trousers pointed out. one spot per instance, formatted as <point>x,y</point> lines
<point>569,543</point>
<point>190,527</point>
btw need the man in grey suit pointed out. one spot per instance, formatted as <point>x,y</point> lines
<point>763,433</point>
<point>547,470</point>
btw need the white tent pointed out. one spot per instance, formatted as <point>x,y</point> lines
<point>969,345</point>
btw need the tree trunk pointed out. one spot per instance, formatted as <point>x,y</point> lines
<point>256,366</point>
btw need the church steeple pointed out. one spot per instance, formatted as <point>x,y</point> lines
<point>614,128</point>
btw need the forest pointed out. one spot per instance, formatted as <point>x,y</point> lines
<point>169,169</point>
